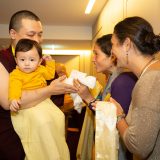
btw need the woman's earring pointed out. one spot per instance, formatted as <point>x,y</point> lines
<point>127,58</point>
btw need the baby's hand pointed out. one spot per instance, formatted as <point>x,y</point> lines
<point>47,58</point>
<point>15,105</point>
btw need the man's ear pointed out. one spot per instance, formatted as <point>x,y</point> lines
<point>127,44</point>
<point>12,33</point>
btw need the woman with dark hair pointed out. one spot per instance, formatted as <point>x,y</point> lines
<point>119,84</point>
<point>134,44</point>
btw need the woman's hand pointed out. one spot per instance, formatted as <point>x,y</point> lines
<point>83,91</point>
<point>118,106</point>
<point>121,123</point>
<point>57,87</point>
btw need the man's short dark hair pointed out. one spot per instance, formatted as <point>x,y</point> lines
<point>15,21</point>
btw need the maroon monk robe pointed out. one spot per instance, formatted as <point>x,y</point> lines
<point>10,144</point>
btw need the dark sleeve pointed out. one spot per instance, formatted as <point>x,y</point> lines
<point>58,100</point>
<point>121,89</point>
<point>7,59</point>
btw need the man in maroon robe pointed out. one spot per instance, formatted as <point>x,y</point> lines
<point>23,24</point>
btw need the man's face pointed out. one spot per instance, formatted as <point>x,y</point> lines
<point>30,29</point>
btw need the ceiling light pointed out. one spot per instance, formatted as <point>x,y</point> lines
<point>89,6</point>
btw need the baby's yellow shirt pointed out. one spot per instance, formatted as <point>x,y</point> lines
<point>19,80</point>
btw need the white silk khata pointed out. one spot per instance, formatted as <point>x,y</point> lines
<point>89,81</point>
<point>106,137</point>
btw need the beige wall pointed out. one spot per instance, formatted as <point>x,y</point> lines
<point>70,61</point>
<point>110,15</point>
<point>116,10</point>
<point>78,62</point>
<point>148,9</point>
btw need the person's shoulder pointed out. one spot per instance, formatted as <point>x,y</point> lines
<point>151,75</point>
<point>5,52</point>
<point>128,75</point>
<point>17,74</point>
<point>125,77</point>
<point>16,71</point>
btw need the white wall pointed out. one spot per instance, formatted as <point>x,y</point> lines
<point>68,32</point>
<point>58,32</point>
